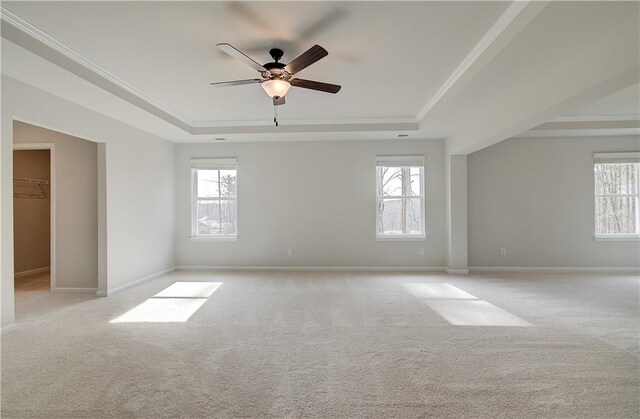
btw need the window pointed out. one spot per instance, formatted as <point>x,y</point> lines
<point>616,195</point>
<point>214,198</point>
<point>400,197</point>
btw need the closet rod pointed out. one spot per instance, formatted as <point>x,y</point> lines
<point>39,181</point>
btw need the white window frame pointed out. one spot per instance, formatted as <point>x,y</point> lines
<point>613,158</point>
<point>408,161</point>
<point>211,164</point>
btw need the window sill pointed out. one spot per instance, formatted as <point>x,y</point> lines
<point>401,238</point>
<point>616,238</point>
<point>214,239</point>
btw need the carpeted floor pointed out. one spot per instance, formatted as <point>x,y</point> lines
<point>331,345</point>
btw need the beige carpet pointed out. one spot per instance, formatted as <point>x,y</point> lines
<point>332,345</point>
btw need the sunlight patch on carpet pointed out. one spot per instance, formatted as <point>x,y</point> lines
<point>460,308</point>
<point>420,290</point>
<point>189,290</point>
<point>162,310</point>
<point>474,313</point>
<point>174,304</point>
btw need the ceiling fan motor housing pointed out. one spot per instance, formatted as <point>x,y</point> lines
<point>276,54</point>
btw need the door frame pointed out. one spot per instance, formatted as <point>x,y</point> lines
<point>52,203</point>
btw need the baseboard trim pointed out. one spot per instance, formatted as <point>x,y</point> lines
<point>457,271</point>
<point>10,328</point>
<point>484,269</point>
<point>32,272</point>
<point>71,290</point>
<point>134,283</point>
<point>313,268</point>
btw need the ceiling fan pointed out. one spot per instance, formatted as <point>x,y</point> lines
<point>278,77</point>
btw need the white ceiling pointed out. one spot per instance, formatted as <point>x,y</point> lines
<point>429,69</point>
<point>389,57</point>
<point>624,103</point>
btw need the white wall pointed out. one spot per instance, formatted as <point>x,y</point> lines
<point>140,186</point>
<point>76,181</point>
<point>534,197</point>
<point>315,197</point>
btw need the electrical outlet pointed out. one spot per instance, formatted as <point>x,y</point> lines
<point>290,252</point>
<point>503,251</point>
<point>422,251</point>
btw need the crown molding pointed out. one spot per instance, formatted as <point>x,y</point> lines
<point>47,47</point>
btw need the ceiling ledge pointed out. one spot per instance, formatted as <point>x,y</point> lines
<point>302,128</point>
<point>586,127</point>
<point>580,133</point>
<point>587,124</point>
<point>24,34</point>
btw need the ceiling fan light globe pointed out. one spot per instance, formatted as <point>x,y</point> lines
<point>276,87</point>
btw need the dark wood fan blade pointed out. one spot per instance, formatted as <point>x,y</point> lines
<point>279,101</point>
<point>307,58</point>
<point>236,82</point>
<point>234,52</point>
<point>315,85</point>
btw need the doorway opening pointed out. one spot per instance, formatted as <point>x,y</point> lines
<point>33,221</point>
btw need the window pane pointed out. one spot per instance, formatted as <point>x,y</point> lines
<point>228,214</point>
<point>416,181</point>
<point>216,217</point>
<point>207,183</point>
<point>399,216</point>
<point>207,216</point>
<point>412,215</point>
<point>616,179</point>
<point>390,216</point>
<point>391,180</point>
<point>227,183</point>
<point>616,215</point>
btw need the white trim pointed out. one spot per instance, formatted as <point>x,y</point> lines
<point>585,132</point>
<point>619,157</point>
<point>410,161</point>
<point>314,268</point>
<point>474,269</point>
<point>620,238</point>
<point>602,160</point>
<point>31,272</point>
<point>72,290</point>
<point>304,122</point>
<point>456,271</point>
<point>52,201</point>
<point>134,283</point>
<point>213,238</point>
<point>230,163</point>
<point>10,328</point>
<point>401,238</point>
<point>596,118</point>
<point>508,16</point>
<point>226,163</point>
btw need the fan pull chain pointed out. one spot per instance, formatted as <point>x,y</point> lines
<point>275,115</point>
